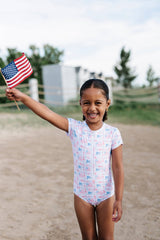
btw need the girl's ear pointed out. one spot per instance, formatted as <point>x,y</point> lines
<point>80,102</point>
<point>108,103</point>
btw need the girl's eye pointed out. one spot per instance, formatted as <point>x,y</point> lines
<point>98,103</point>
<point>85,103</point>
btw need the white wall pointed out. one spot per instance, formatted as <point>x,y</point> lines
<point>59,84</point>
<point>69,86</point>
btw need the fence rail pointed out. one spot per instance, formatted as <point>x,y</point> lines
<point>139,95</point>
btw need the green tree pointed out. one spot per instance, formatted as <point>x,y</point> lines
<point>50,55</point>
<point>36,62</point>
<point>2,64</point>
<point>12,54</point>
<point>2,83</point>
<point>150,76</point>
<point>125,75</point>
<point>37,57</point>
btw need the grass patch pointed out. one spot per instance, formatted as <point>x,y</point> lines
<point>120,113</point>
<point>135,114</point>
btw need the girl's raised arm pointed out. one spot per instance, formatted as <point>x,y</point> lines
<point>38,108</point>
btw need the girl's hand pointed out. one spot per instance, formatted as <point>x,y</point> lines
<point>117,211</point>
<point>14,94</point>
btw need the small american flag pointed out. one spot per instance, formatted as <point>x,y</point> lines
<point>17,71</point>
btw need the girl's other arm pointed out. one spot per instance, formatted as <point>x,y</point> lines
<point>38,108</point>
<point>118,173</point>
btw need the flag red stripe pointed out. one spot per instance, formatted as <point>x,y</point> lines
<point>27,65</point>
<point>19,58</point>
<point>24,71</point>
<point>19,76</point>
<point>19,72</point>
<point>23,77</point>
<point>21,64</point>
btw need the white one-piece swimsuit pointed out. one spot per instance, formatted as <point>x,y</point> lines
<point>93,180</point>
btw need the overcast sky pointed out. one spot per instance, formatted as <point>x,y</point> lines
<point>90,32</point>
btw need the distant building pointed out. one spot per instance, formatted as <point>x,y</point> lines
<point>82,75</point>
<point>59,84</point>
<point>62,83</point>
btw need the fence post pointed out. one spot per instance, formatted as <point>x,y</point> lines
<point>159,90</point>
<point>33,89</point>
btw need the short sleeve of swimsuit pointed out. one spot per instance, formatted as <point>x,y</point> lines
<point>73,126</point>
<point>117,139</point>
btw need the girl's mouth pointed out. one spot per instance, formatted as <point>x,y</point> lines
<point>92,115</point>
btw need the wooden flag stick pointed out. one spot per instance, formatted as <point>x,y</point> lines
<point>7,86</point>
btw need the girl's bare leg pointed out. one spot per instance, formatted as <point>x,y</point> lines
<point>104,213</point>
<point>86,217</point>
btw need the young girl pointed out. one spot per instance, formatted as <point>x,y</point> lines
<point>97,198</point>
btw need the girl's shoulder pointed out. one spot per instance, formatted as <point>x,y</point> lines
<point>75,125</point>
<point>112,130</point>
<point>74,122</point>
<point>109,127</point>
<point>114,134</point>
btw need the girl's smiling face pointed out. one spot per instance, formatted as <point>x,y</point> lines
<point>94,104</point>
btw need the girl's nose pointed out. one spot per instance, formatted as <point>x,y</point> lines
<point>92,107</point>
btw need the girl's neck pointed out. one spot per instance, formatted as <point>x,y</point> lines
<point>94,126</point>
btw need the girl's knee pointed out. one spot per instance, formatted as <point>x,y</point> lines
<point>89,238</point>
<point>106,238</point>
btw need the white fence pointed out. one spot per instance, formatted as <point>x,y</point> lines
<point>148,95</point>
<point>36,91</point>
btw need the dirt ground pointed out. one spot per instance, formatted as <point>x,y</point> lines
<point>36,177</point>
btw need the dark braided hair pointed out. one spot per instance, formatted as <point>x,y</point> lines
<point>96,83</point>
